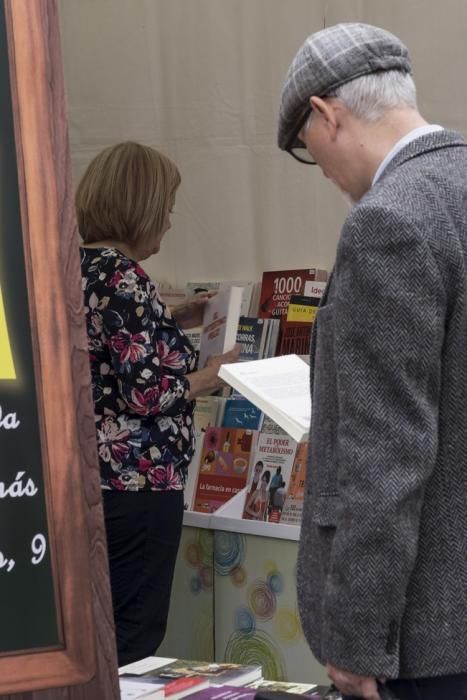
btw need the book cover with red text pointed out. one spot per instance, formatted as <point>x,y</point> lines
<point>278,286</point>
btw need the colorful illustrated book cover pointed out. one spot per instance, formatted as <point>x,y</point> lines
<point>223,469</point>
<point>271,467</point>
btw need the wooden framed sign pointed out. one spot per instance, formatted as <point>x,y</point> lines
<point>47,611</point>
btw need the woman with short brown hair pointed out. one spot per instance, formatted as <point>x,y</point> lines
<point>144,382</point>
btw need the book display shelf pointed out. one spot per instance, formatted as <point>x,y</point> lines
<point>229,518</point>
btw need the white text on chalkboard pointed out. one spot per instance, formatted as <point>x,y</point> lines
<point>18,488</point>
<point>38,549</point>
<point>8,421</point>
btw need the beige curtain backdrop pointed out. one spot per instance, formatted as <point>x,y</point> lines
<point>200,80</point>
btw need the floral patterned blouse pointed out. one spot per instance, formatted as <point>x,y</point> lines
<point>139,359</point>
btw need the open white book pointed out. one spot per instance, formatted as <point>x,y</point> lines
<point>279,386</point>
<point>220,323</point>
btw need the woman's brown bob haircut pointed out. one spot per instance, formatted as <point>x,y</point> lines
<point>125,194</point>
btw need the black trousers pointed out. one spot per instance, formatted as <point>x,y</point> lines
<point>437,688</point>
<point>143,535</point>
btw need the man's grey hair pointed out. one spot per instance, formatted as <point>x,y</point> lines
<point>371,96</point>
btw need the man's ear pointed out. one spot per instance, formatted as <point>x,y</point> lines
<point>327,111</point>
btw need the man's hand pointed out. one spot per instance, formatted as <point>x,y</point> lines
<point>351,684</point>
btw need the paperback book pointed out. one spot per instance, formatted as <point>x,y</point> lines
<point>220,323</point>
<point>279,386</point>
<point>223,469</point>
<point>251,336</point>
<point>272,463</point>
<point>295,333</point>
<point>208,412</point>
<point>316,691</point>
<point>279,285</point>
<point>293,507</point>
<point>241,413</point>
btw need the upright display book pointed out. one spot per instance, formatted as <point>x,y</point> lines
<point>251,336</point>
<point>278,286</point>
<point>296,325</point>
<point>214,673</point>
<point>223,469</point>
<point>208,412</point>
<point>272,463</point>
<point>220,323</point>
<point>293,507</point>
<point>279,386</point>
<point>241,413</point>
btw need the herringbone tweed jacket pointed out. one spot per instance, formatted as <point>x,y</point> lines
<point>382,574</point>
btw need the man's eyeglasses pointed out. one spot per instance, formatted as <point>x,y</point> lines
<point>295,146</point>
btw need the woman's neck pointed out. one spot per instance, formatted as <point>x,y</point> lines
<point>124,248</point>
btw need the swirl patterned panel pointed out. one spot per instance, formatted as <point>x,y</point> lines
<point>261,599</point>
<point>229,552</point>
<point>257,648</point>
<point>245,622</point>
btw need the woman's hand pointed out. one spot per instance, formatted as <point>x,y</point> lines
<point>215,361</point>
<point>190,313</point>
<point>205,380</point>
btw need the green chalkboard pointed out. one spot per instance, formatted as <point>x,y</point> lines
<point>28,611</point>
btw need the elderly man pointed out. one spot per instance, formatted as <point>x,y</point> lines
<point>382,578</point>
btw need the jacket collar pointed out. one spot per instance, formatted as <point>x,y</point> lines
<point>422,145</point>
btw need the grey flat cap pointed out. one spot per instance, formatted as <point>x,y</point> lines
<point>331,57</point>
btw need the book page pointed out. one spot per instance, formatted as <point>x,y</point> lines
<point>282,381</point>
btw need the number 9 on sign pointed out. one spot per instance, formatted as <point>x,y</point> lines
<point>38,547</point>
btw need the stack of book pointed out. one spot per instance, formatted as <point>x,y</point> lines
<point>157,678</point>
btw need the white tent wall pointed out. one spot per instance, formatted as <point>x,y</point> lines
<point>200,80</point>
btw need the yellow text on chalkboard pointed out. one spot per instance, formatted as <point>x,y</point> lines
<point>7,367</point>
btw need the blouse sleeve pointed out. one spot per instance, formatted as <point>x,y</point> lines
<point>147,354</point>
